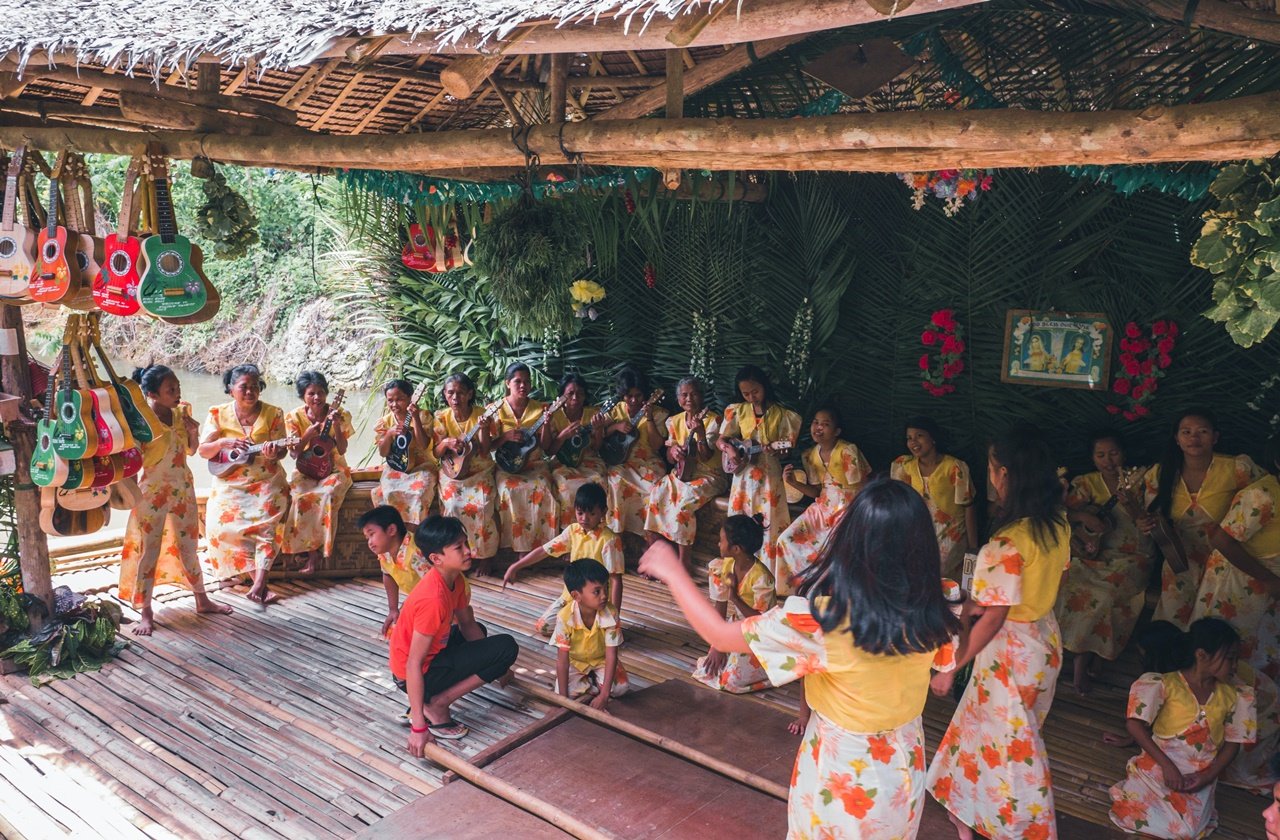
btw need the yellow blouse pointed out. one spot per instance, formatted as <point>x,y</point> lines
<point>506,421</point>
<point>447,426</point>
<point>1016,570</point>
<point>153,452</point>
<point>224,417</point>
<point>406,567</point>
<point>641,450</point>
<point>420,455</point>
<point>586,645</point>
<point>1252,519</point>
<point>296,422</point>
<point>678,434</point>
<point>1180,708</point>
<point>560,421</point>
<point>1227,475</point>
<point>778,423</point>
<point>845,466</point>
<point>948,487</point>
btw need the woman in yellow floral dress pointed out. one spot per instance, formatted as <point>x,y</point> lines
<point>1190,724</point>
<point>1192,487</point>
<point>527,514</point>
<point>160,539</point>
<point>247,506</point>
<point>471,497</point>
<point>631,482</point>
<point>991,771</point>
<point>1102,596</point>
<point>834,472</point>
<point>943,480</point>
<point>740,587</point>
<point>871,623</point>
<point>572,416</point>
<point>673,504</point>
<point>412,491</point>
<point>312,525</point>
<point>760,488</point>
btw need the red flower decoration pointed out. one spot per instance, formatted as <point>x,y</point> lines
<point>1132,330</point>
<point>942,332</point>
<point>1143,360</point>
<point>928,338</point>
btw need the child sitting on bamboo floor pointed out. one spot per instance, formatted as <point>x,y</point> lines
<point>741,586</point>
<point>587,538</point>
<point>631,482</point>
<point>312,525</point>
<point>398,556</point>
<point>1190,724</point>
<point>438,650</point>
<point>943,480</point>
<point>834,472</point>
<point>674,504</point>
<point>470,497</point>
<point>412,491</point>
<point>566,422</point>
<point>586,638</point>
<point>160,539</point>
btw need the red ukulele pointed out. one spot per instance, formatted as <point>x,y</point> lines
<point>115,289</point>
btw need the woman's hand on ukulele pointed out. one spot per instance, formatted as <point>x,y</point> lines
<point>622,427</point>
<point>569,430</point>
<point>232,443</point>
<point>789,475</point>
<point>273,451</point>
<point>513,436</point>
<point>1146,524</point>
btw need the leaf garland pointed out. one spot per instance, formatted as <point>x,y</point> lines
<point>226,219</point>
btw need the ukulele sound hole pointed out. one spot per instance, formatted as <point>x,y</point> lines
<point>68,413</point>
<point>50,251</point>
<point>120,263</point>
<point>82,261</point>
<point>8,247</point>
<point>170,263</point>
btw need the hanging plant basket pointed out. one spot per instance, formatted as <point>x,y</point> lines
<point>531,253</point>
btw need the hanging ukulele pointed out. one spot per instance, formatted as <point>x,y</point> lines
<point>113,431</point>
<point>87,246</point>
<point>115,289</point>
<point>172,285</point>
<point>617,446</point>
<point>47,469</point>
<point>75,435</point>
<point>58,275</point>
<point>317,461</point>
<point>58,521</point>
<point>17,242</point>
<point>513,456</point>
<point>398,454</point>
<point>457,464</point>
<point>135,410</point>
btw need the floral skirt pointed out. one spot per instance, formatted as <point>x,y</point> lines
<point>313,516</point>
<point>741,674</point>
<point>629,487</point>
<point>567,480</point>
<point>1230,594</point>
<point>1142,802</point>
<point>800,544</point>
<point>526,509</point>
<point>991,769</point>
<point>243,521</point>
<point>472,499</point>
<point>1101,600</point>
<point>759,489</point>
<point>160,542</point>
<point>409,493</point>
<point>673,505</point>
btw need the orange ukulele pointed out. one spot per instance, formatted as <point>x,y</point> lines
<point>58,275</point>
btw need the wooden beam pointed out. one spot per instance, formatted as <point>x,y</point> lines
<point>1219,16</point>
<point>11,86</point>
<point>96,91</point>
<point>507,102</point>
<point>557,87</point>
<point>703,76</point>
<point>154,111</point>
<point>675,85</point>
<point>301,91</point>
<point>240,78</point>
<point>423,111</point>
<point>347,89</point>
<point>1247,127</point>
<point>208,78</point>
<point>635,59</point>
<point>391,94</point>
<point>465,75</point>
<point>688,26</point>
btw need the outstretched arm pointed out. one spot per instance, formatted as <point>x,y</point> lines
<point>663,563</point>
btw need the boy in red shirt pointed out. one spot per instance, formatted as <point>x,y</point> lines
<point>438,650</point>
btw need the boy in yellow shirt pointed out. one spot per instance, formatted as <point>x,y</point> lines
<point>587,638</point>
<point>402,564</point>
<point>587,538</point>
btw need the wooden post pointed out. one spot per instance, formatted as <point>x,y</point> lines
<point>556,84</point>
<point>33,546</point>
<point>675,106</point>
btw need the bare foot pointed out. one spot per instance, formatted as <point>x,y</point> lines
<point>207,606</point>
<point>963,831</point>
<point>309,567</point>
<point>269,597</point>
<point>1082,680</point>
<point>145,624</point>
<point>484,567</point>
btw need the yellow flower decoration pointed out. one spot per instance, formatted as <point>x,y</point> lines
<point>586,292</point>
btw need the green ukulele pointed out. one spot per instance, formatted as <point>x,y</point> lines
<point>47,469</point>
<point>75,432</point>
<point>172,284</point>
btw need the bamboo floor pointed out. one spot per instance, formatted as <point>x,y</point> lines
<point>284,723</point>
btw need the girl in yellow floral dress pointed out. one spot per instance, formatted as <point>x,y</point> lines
<point>573,416</point>
<point>631,482</point>
<point>312,525</point>
<point>1192,487</point>
<point>527,514</point>
<point>835,471</point>
<point>160,539</point>
<point>471,497</point>
<point>1102,596</point>
<point>1190,724</point>
<point>869,624</point>
<point>991,771</point>
<point>943,480</point>
<point>412,491</point>
<point>674,504</point>
<point>247,506</point>
<point>740,587</point>
<point>759,488</point>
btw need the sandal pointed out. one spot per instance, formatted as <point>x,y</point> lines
<point>450,730</point>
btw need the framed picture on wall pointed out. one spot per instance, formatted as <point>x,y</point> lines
<point>1057,349</point>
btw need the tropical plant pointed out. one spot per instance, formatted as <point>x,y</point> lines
<point>78,638</point>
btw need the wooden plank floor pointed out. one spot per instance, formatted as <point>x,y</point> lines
<point>284,723</point>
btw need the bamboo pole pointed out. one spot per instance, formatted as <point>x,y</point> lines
<point>652,738</point>
<point>556,87</point>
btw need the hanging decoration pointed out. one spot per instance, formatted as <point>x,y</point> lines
<point>225,219</point>
<point>1144,356</point>
<point>942,336</point>
<point>586,294</point>
<point>702,349</point>
<point>1263,400</point>
<point>650,276</point>
<point>953,186</point>
<point>1188,181</point>
<point>411,188</point>
<point>796,358</point>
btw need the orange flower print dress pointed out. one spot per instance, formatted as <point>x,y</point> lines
<point>472,498</point>
<point>841,476</point>
<point>411,492</point>
<point>313,516</point>
<point>160,539</point>
<point>742,672</point>
<point>245,515</point>
<point>1251,768</point>
<point>1194,516</point>
<point>759,488</point>
<point>567,479</point>
<point>632,481</point>
<point>860,770</point>
<point>991,769</point>
<point>1231,594</point>
<point>1191,736</point>
<point>947,491</point>
<point>1101,598</point>
<point>674,504</point>
<point>527,515</point>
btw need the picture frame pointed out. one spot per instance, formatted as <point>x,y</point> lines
<point>1057,349</point>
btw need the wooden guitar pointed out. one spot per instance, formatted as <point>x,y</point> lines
<point>457,464</point>
<point>514,455</point>
<point>231,459</point>
<point>80,229</point>
<point>615,447</point>
<point>47,469</point>
<point>686,468</point>
<point>115,288</point>
<point>113,433</point>
<point>17,242</point>
<point>58,276</point>
<point>1130,492</point>
<point>572,450</point>
<point>1086,542</point>
<point>58,521</point>
<point>76,434</point>
<point>747,452</point>
<point>317,461</point>
<point>172,285</point>
<point>398,454</point>
<point>135,411</point>
<point>87,499</point>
